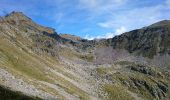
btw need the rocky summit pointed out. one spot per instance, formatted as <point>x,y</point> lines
<point>38,63</point>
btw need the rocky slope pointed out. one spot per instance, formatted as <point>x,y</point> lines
<point>38,62</point>
<point>148,41</point>
<point>71,37</point>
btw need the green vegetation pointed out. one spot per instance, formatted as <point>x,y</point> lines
<point>71,88</point>
<point>71,54</point>
<point>116,92</point>
<point>146,81</point>
<point>21,62</point>
<point>140,83</point>
<point>131,82</point>
<point>101,70</point>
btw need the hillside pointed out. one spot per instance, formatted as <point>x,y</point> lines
<point>148,45</point>
<point>38,62</point>
<point>148,42</point>
<point>71,37</point>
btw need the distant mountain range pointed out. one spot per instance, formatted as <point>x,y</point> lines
<point>38,62</point>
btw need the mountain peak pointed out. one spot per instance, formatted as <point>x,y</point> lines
<point>17,16</point>
<point>16,13</point>
<point>21,20</point>
<point>161,23</point>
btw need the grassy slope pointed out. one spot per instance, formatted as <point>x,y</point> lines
<point>32,66</point>
<point>125,79</point>
<point>18,60</point>
<point>15,57</point>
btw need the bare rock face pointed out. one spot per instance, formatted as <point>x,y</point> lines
<point>37,61</point>
<point>148,42</point>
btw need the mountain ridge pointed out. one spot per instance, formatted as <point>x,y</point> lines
<point>37,61</point>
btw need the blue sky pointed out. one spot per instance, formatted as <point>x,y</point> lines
<point>91,18</point>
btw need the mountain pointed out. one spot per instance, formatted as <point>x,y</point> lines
<point>149,41</point>
<point>38,62</point>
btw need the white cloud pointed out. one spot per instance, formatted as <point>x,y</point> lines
<point>133,18</point>
<point>107,24</point>
<point>58,17</point>
<point>88,37</point>
<point>103,36</point>
<point>107,35</point>
<point>120,30</point>
<point>115,15</point>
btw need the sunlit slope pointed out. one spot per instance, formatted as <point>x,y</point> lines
<point>38,62</point>
<point>35,64</point>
